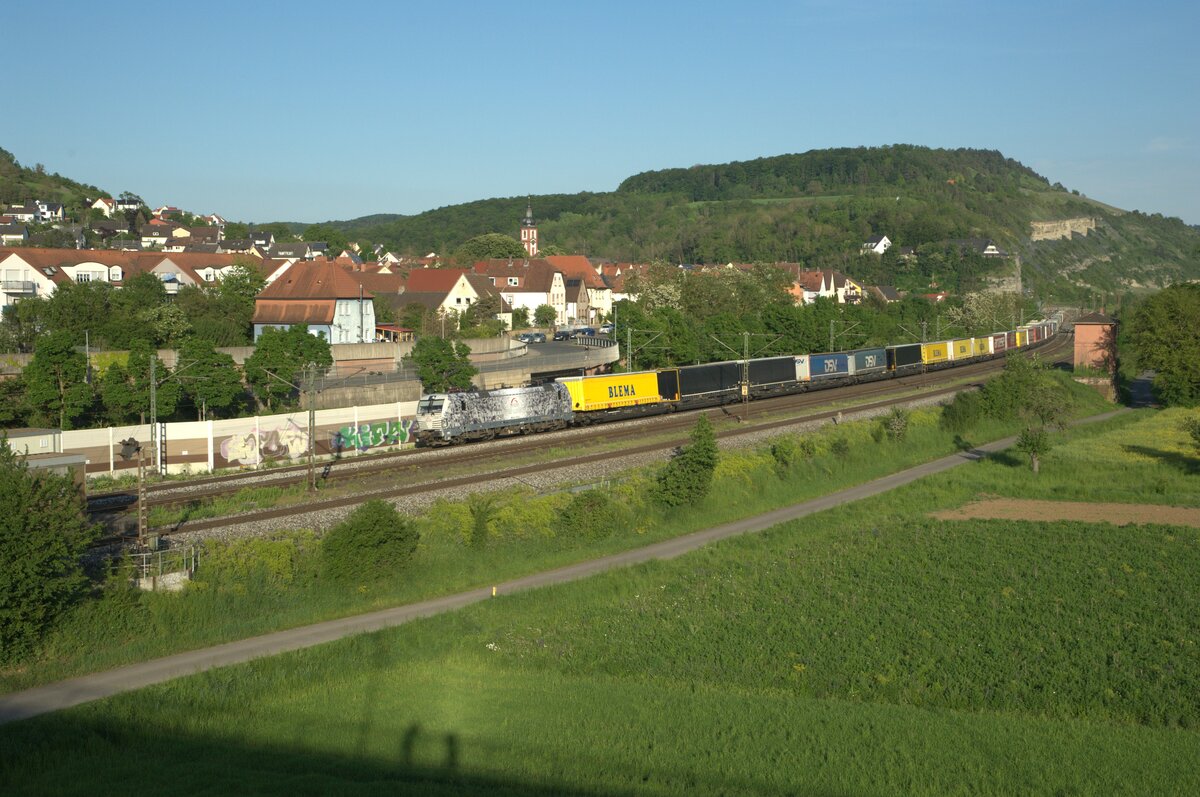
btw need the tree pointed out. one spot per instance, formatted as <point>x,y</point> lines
<point>322,232</point>
<point>491,245</point>
<point>43,534</point>
<point>1164,336</point>
<point>125,390</point>
<point>545,315</point>
<point>56,385</point>
<point>687,478</point>
<point>117,396</point>
<point>1035,442</point>
<point>374,543</point>
<point>240,285</point>
<point>12,403</point>
<point>278,359</point>
<point>209,377</point>
<point>520,318</point>
<point>384,312</point>
<point>24,321</point>
<point>442,365</point>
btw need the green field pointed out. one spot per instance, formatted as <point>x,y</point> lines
<point>866,650</point>
<point>257,586</point>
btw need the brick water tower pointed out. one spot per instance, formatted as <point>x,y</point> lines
<point>1096,342</point>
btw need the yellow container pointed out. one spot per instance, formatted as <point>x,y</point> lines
<point>590,393</point>
<point>983,347</point>
<point>935,352</point>
<point>962,349</point>
<point>1022,338</point>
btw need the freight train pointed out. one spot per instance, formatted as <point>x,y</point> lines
<point>445,418</point>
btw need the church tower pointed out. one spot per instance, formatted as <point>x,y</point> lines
<point>529,231</point>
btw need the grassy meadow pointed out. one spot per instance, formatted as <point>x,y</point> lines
<point>870,649</point>
<point>261,585</point>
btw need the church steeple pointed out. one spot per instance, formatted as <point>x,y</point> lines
<point>529,230</point>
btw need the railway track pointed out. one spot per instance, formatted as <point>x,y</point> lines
<point>445,461</point>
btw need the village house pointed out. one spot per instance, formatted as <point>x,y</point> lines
<point>528,284</point>
<point>877,244</point>
<point>323,296</point>
<point>808,285</point>
<point>599,295</point>
<point>105,205</point>
<point>38,271</point>
<point>13,234</point>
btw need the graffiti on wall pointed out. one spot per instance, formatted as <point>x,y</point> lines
<point>370,435</point>
<point>287,441</point>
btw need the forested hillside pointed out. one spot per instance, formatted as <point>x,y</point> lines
<point>818,207</point>
<point>20,184</point>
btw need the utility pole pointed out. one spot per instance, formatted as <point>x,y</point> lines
<point>924,331</point>
<point>629,346</point>
<point>153,409</point>
<point>141,512</point>
<point>745,376</point>
<point>831,323</point>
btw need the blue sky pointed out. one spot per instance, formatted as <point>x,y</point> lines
<point>307,111</point>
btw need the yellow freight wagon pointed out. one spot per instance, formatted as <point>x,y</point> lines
<point>605,392</point>
<point>983,347</point>
<point>935,352</point>
<point>962,349</point>
<point>1022,338</point>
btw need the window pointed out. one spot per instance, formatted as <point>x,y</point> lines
<point>83,277</point>
<point>514,281</point>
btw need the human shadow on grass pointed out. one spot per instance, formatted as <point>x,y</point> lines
<point>1181,462</point>
<point>71,754</point>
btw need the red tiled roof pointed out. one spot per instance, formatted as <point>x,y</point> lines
<point>378,284</point>
<point>534,275</point>
<point>315,280</point>
<point>295,312</point>
<point>429,280</point>
<point>576,267</point>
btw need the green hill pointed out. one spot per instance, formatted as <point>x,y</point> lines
<point>819,206</point>
<point>19,184</point>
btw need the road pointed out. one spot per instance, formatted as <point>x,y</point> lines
<point>72,692</point>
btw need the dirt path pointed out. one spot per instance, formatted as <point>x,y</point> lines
<point>1117,514</point>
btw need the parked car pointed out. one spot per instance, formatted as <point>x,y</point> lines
<point>562,334</point>
<point>532,337</point>
<point>585,332</point>
<point>606,329</point>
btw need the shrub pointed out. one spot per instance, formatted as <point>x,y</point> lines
<point>272,563</point>
<point>687,478</point>
<point>482,508</point>
<point>374,542</point>
<point>895,424</point>
<point>524,516</point>
<point>961,414</point>
<point>592,514</point>
<point>1192,427</point>
<point>785,451</point>
<point>840,448</point>
<point>43,534</point>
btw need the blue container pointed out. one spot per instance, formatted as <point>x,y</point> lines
<point>824,366</point>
